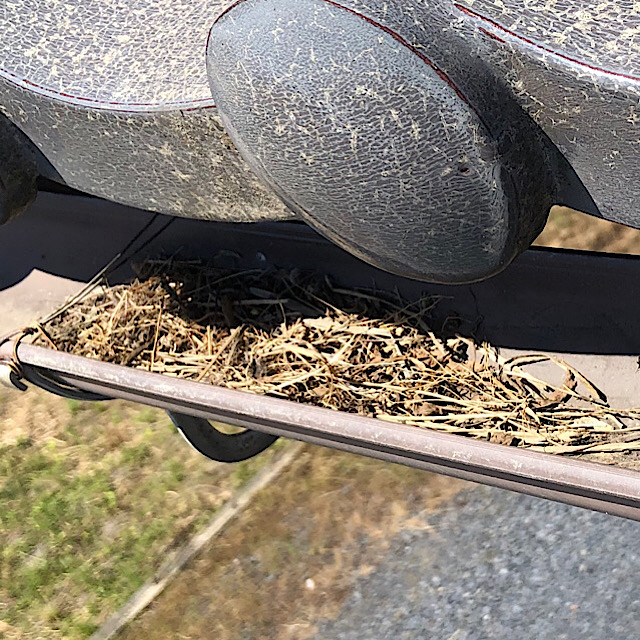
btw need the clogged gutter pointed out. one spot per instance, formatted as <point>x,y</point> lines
<point>296,336</point>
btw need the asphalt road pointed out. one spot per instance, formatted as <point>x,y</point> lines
<point>497,565</point>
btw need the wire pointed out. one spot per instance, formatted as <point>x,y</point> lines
<point>115,263</point>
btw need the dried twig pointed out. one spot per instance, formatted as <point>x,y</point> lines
<point>300,338</point>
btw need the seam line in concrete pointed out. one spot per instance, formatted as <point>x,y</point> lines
<point>149,591</point>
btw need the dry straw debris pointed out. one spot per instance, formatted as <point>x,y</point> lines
<point>296,336</point>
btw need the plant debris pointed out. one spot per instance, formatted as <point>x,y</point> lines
<point>296,336</point>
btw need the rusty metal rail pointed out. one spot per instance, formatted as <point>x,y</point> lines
<point>575,303</point>
<point>599,487</point>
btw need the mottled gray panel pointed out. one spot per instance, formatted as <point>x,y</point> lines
<point>603,34</point>
<point>97,86</point>
<point>602,143</point>
<point>110,52</point>
<point>178,162</point>
<point>592,115</point>
<point>374,144</point>
<point>102,88</point>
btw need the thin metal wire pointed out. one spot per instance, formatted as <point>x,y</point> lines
<point>115,263</point>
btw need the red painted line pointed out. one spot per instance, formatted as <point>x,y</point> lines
<point>499,27</point>
<point>394,34</point>
<point>493,36</point>
<point>187,105</point>
<point>398,38</point>
<point>222,15</point>
<point>231,7</point>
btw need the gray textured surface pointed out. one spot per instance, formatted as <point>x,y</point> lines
<point>604,34</point>
<point>110,53</point>
<point>358,130</point>
<point>496,565</point>
<point>176,162</point>
<point>575,78</point>
<point>115,95</point>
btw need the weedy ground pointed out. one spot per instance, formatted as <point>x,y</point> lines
<point>567,229</point>
<point>92,497</point>
<point>293,557</point>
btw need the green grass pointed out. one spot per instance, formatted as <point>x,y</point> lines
<point>88,512</point>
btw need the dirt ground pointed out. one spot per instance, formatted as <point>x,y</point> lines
<point>570,229</point>
<point>292,558</point>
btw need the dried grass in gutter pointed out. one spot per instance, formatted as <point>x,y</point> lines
<point>298,337</point>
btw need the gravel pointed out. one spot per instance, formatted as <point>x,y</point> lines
<point>493,564</point>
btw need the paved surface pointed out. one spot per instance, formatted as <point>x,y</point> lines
<point>33,297</point>
<point>495,565</point>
